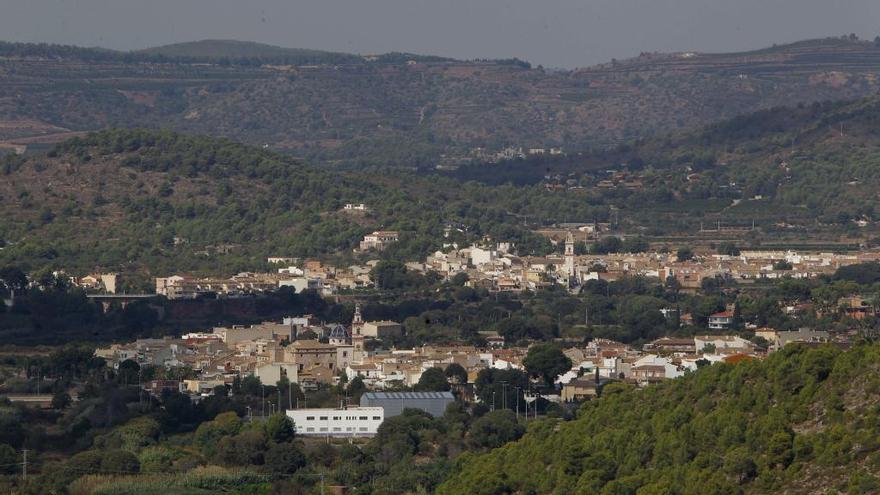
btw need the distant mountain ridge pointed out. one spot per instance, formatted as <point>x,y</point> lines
<point>414,111</point>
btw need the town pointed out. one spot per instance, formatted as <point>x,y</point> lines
<point>317,356</point>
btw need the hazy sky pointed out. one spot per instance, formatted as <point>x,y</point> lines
<point>555,33</point>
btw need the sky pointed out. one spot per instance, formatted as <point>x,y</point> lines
<point>553,33</point>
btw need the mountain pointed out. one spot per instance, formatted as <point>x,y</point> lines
<point>805,421</point>
<point>409,111</point>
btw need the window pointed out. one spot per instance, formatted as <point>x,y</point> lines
<point>324,429</point>
<point>336,428</point>
<point>310,429</point>
<point>377,418</point>
<point>362,428</point>
<point>335,418</point>
<point>349,429</point>
<point>310,418</point>
<point>364,418</point>
<point>323,418</point>
<point>344,353</point>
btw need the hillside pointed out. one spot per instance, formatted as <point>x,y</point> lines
<point>804,167</point>
<point>410,111</point>
<point>160,201</point>
<point>803,422</point>
<point>177,202</point>
<point>232,49</point>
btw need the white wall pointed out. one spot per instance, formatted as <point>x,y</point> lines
<point>353,421</point>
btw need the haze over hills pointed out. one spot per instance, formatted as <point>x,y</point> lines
<point>333,111</point>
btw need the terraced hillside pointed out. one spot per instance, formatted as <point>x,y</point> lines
<point>418,111</point>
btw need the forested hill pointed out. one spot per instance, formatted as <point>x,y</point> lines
<point>803,422</point>
<point>406,110</point>
<point>165,202</point>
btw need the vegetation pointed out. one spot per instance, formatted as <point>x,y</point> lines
<point>804,420</point>
<point>352,111</point>
<point>167,202</point>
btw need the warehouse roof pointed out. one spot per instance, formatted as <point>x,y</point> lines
<point>407,395</point>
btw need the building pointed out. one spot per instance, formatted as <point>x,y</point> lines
<point>583,388</point>
<point>721,321</point>
<point>312,357</point>
<point>669,344</point>
<point>264,331</point>
<point>433,403</point>
<point>722,342</point>
<point>381,329</point>
<point>300,284</point>
<point>272,373</point>
<point>346,422</point>
<point>379,240</point>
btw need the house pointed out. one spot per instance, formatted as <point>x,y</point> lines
<point>652,368</point>
<point>581,389</point>
<point>379,240</point>
<point>668,344</point>
<point>721,320</point>
<point>313,357</point>
<point>778,339</point>
<point>272,373</point>
<point>722,342</point>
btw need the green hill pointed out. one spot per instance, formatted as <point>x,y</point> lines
<point>803,422</point>
<point>233,49</point>
<point>160,201</point>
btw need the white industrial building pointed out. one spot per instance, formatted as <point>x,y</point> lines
<point>347,422</point>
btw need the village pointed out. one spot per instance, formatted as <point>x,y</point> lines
<point>495,267</point>
<point>316,355</point>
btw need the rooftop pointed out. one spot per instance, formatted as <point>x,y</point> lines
<point>408,395</point>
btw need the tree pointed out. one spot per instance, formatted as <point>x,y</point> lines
<point>607,245</point>
<point>251,385</point>
<point>60,400</point>
<point>9,459</point>
<point>495,429</point>
<point>546,361</point>
<point>128,372</point>
<point>456,373</point>
<point>433,380</point>
<point>728,249</point>
<point>13,278</point>
<point>279,428</point>
<point>684,254</point>
<point>284,458</point>
<point>459,279</point>
<point>390,275</point>
<point>782,265</point>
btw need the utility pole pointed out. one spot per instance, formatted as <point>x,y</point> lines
<point>24,465</point>
<point>263,399</point>
<point>517,403</point>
